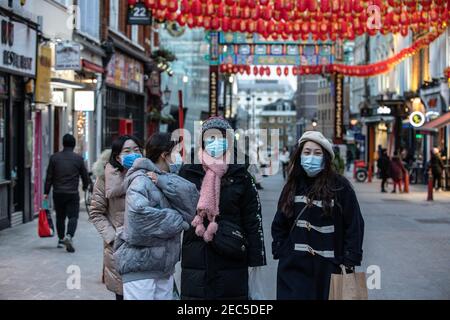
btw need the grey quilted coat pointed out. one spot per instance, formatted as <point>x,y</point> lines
<point>149,245</point>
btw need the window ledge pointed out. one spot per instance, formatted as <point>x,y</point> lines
<point>87,36</point>
<point>125,38</point>
<point>57,4</point>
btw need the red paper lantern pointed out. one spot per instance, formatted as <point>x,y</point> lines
<point>181,20</point>
<point>358,6</point>
<point>286,71</point>
<point>255,70</point>
<point>279,72</point>
<point>215,23</point>
<point>262,70</point>
<point>172,6</point>
<point>268,71</point>
<point>226,24</point>
<point>196,8</point>
<point>221,10</point>
<point>132,2</point>
<point>325,6</point>
<point>312,5</point>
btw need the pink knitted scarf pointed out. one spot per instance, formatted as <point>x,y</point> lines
<point>208,204</point>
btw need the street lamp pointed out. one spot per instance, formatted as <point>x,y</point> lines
<point>185,79</point>
<point>314,124</point>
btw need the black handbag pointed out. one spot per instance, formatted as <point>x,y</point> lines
<point>230,240</point>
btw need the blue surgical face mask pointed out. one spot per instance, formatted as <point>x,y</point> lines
<point>216,147</point>
<point>313,165</point>
<point>176,166</point>
<point>128,159</point>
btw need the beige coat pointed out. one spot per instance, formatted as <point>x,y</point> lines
<point>106,213</point>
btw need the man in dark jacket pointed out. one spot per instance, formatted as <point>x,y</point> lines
<point>384,165</point>
<point>63,173</point>
<point>437,166</point>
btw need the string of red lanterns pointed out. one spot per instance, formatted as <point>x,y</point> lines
<point>299,19</point>
<point>369,70</point>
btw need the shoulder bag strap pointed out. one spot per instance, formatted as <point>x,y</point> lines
<point>298,217</point>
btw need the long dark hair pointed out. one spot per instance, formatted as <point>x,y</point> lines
<point>116,149</point>
<point>323,187</point>
<point>158,144</point>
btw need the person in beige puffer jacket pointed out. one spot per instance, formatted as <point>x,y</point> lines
<point>107,207</point>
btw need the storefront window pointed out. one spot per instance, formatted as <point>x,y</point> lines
<point>2,140</point>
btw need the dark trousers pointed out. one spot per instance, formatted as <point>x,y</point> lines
<point>437,183</point>
<point>119,297</point>
<point>383,183</point>
<point>66,206</point>
<point>285,166</point>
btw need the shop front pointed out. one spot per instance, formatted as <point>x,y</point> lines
<point>17,72</point>
<point>124,108</point>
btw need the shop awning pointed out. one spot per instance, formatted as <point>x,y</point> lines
<point>437,123</point>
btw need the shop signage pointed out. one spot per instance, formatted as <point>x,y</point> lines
<point>125,72</point>
<point>68,56</point>
<point>214,47</point>
<point>84,101</point>
<point>213,90</point>
<point>17,47</point>
<point>44,73</point>
<point>417,119</point>
<point>383,110</point>
<point>139,14</point>
<point>339,109</point>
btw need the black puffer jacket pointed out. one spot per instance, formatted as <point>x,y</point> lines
<point>206,274</point>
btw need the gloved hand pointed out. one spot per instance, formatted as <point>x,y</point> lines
<point>186,226</point>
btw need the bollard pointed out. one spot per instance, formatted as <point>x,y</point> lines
<point>369,174</point>
<point>406,182</point>
<point>430,186</point>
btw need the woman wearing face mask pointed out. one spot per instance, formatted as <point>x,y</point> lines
<point>108,201</point>
<point>211,268</point>
<point>160,205</point>
<point>318,225</point>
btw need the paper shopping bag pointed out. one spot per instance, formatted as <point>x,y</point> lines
<point>348,286</point>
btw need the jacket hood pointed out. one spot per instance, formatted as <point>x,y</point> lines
<point>140,167</point>
<point>98,169</point>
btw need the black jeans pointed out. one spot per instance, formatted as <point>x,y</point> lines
<point>383,183</point>
<point>437,180</point>
<point>285,167</point>
<point>66,206</point>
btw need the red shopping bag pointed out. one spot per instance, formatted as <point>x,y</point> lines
<point>45,226</point>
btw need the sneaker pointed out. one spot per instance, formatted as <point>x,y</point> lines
<point>68,243</point>
<point>60,244</point>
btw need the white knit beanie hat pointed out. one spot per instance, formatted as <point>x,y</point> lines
<point>317,137</point>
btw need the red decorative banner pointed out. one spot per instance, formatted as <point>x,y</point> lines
<point>369,70</point>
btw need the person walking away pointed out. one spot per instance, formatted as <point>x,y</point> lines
<point>284,158</point>
<point>159,206</point>
<point>318,225</point>
<point>383,165</point>
<point>63,174</point>
<point>107,208</point>
<point>223,253</point>
<point>397,170</point>
<point>437,167</point>
<point>338,162</point>
<point>349,158</point>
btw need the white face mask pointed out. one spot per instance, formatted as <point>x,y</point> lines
<point>176,165</point>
